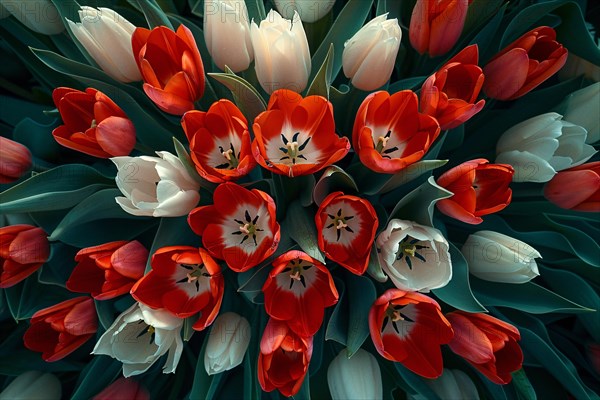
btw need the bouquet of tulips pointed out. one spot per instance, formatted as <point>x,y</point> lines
<point>346,199</point>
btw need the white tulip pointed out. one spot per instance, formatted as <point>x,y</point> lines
<point>309,10</point>
<point>539,147</point>
<point>369,56</point>
<point>453,384</point>
<point>414,256</point>
<point>140,336</point>
<point>227,34</point>
<point>358,377</point>
<point>33,385</point>
<point>155,186</point>
<point>227,343</point>
<point>281,55</point>
<point>500,258</point>
<point>107,37</point>
<point>582,107</point>
<point>38,15</point>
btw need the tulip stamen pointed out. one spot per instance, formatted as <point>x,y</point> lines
<point>196,271</point>
<point>409,249</point>
<point>295,271</point>
<point>293,148</point>
<point>230,156</point>
<point>340,222</point>
<point>382,143</point>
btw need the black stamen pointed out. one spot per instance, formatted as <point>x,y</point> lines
<point>303,145</point>
<point>295,137</point>
<point>285,141</point>
<point>247,215</point>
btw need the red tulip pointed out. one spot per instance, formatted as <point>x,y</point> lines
<point>524,64</point>
<point>296,136</point>
<point>240,227</point>
<point>449,95</point>
<point>436,25</point>
<point>23,250</point>
<point>93,123</point>
<point>346,227</point>
<point>123,388</point>
<point>408,327</point>
<point>390,133</point>
<point>297,291</point>
<point>479,189</point>
<point>59,330</point>
<point>576,188</point>
<point>108,270</point>
<point>283,359</point>
<point>219,142</point>
<point>184,281</point>
<point>171,66</point>
<point>15,160</point>
<point>490,345</point>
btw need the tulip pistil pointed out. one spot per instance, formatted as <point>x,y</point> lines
<point>196,271</point>
<point>381,145</point>
<point>248,228</point>
<point>339,222</point>
<point>409,249</point>
<point>295,269</point>
<point>231,157</point>
<point>394,314</point>
<point>293,148</point>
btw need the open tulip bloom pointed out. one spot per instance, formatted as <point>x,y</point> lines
<point>345,199</point>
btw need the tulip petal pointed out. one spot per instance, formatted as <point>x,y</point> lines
<point>505,75</point>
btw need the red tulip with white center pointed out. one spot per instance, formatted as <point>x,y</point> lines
<point>184,280</point>
<point>283,359</point>
<point>219,142</point>
<point>409,328</point>
<point>296,136</point>
<point>390,133</point>
<point>346,227</point>
<point>240,227</point>
<point>298,290</point>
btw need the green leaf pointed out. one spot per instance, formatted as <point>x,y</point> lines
<point>457,292</point>
<point>154,15</point>
<point>528,297</point>
<point>29,296</point>
<point>381,7</point>
<point>361,296</point>
<point>525,390</point>
<point>256,10</point>
<point>410,173</point>
<point>59,188</point>
<point>337,327</point>
<point>245,96</point>
<point>300,223</point>
<point>205,386</point>
<point>15,110</point>
<point>99,219</point>
<point>406,84</point>
<point>60,264</point>
<point>348,22</point>
<point>304,392</point>
<point>374,268</point>
<point>333,179</point>
<point>187,162</point>
<point>322,81</point>
<point>172,232</point>
<point>411,207</point>
<point>38,138</point>
<point>96,376</point>
<point>416,382</point>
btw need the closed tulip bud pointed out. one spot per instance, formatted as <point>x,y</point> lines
<point>281,55</point>
<point>33,385</point>
<point>436,25</point>
<point>369,56</point>
<point>495,257</point>
<point>23,250</point>
<point>15,160</point>
<point>576,188</point>
<point>539,147</point>
<point>155,186</point>
<point>358,377</point>
<point>227,34</point>
<point>227,343</point>
<point>581,108</point>
<point>524,64</point>
<point>309,10</point>
<point>38,15</point>
<point>452,385</point>
<point>106,35</point>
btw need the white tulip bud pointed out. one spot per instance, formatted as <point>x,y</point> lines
<point>281,55</point>
<point>500,258</point>
<point>155,186</point>
<point>227,34</point>
<point>38,15</point>
<point>33,385</point>
<point>369,56</point>
<point>581,108</point>
<point>309,10</point>
<point>227,343</point>
<point>107,37</point>
<point>140,336</point>
<point>539,147</point>
<point>358,377</point>
<point>414,256</point>
<point>451,385</point>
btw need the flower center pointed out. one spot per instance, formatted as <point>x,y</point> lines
<point>393,314</point>
<point>248,227</point>
<point>231,157</point>
<point>150,330</point>
<point>293,149</point>
<point>295,269</point>
<point>408,249</point>
<point>381,145</point>
<point>193,274</point>
<point>339,222</point>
